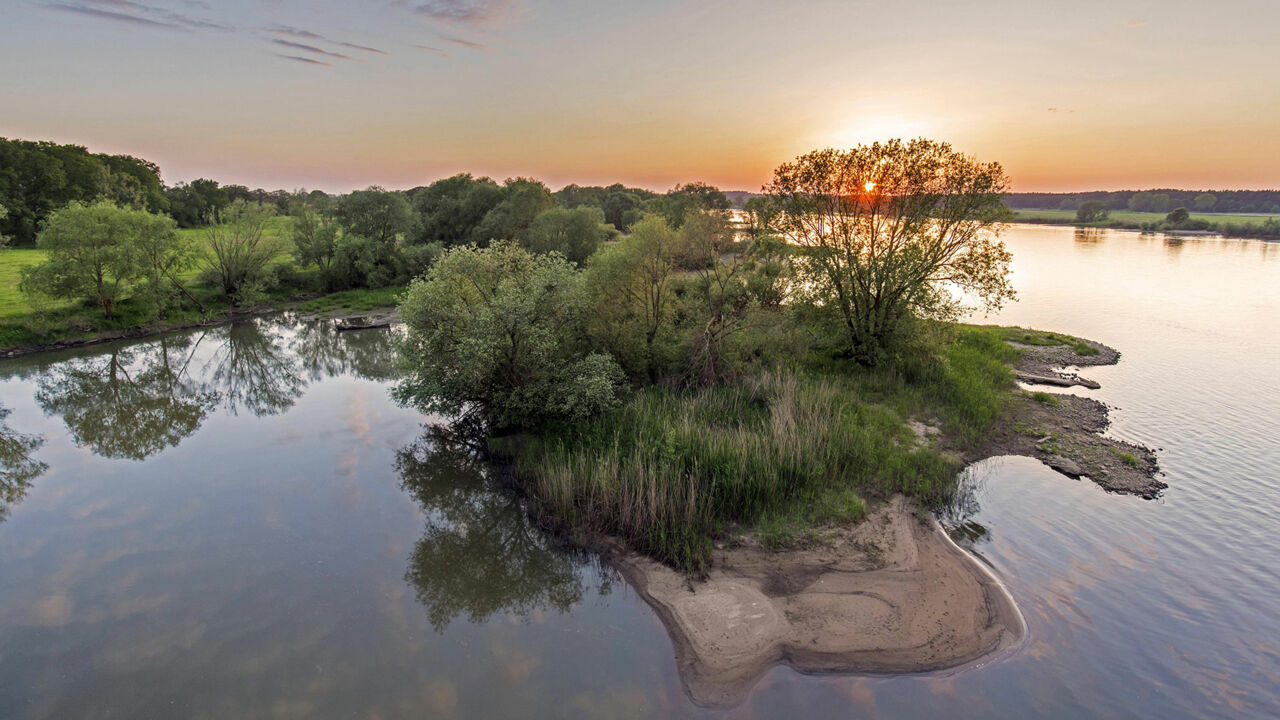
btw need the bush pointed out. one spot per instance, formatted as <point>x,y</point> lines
<point>498,331</point>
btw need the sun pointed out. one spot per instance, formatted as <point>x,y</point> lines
<point>869,186</point>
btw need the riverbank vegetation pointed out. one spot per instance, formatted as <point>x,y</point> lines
<point>1096,214</point>
<point>162,256</point>
<point>683,383</point>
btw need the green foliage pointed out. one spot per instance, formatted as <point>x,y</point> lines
<point>575,234</point>
<point>670,470</point>
<point>315,240</point>
<point>37,178</point>
<point>239,251</point>
<point>888,230</point>
<point>100,252</point>
<point>377,214</point>
<point>1045,398</point>
<point>1178,216</point>
<point>198,203</point>
<point>630,284</point>
<point>450,211</point>
<point>1092,211</point>
<point>495,331</point>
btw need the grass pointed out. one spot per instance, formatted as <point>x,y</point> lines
<point>1127,458</point>
<point>1041,338</point>
<point>1045,398</point>
<point>786,451</point>
<point>24,322</point>
<point>354,300</point>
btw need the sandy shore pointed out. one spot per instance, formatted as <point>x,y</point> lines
<point>892,594</point>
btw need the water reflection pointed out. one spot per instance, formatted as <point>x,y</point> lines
<point>129,402</point>
<point>17,467</point>
<point>134,400</point>
<point>480,554</point>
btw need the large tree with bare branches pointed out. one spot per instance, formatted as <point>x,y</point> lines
<point>894,231</point>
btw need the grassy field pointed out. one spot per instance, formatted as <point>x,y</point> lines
<point>28,322</point>
<point>1135,218</point>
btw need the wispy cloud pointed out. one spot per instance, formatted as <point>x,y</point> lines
<point>310,48</point>
<point>465,43</point>
<point>365,48</point>
<point>431,49</point>
<point>290,31</point>
<point>112,15</point>
<point>309,61</point>
<point>1135,23</point>
<point>136,13</point>
<point>464,11</point>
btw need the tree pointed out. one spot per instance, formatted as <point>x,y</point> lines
<point>1092,211</point>
<point>522,200</point>
<point>92,252</point>
<point>888,228</point>
<point>163,255</point>
<point>493,331</point>
<point>449,211</point>
<point>1178,216</point>
<point>575,234</point>
<point>240,251</point>
<point>630,285</point>
<point>760,213</point>
<point>1204,202</point>
<point>380,215</point>
<point>315,240</point>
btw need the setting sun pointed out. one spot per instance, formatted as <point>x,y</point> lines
<point>869,186</point>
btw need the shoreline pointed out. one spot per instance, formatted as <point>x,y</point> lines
<point>893,594</point>
<point>143,332</point>
<point>1132,227</point>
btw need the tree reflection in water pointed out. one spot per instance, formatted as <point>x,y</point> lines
<point>253,369</point>
<point>325,352</point>
<point>480,554</point>
<point>17,467</point>
<point>129,402</point>
<point>957,516</point>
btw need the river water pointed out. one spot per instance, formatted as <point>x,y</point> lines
<point>239,522</point>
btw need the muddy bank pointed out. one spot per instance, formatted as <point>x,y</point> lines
<point>1064,431</point>
<point>892,594</point>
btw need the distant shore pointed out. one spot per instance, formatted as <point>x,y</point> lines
<point>1241,227</point>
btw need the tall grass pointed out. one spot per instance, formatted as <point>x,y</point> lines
<point>670,470</point>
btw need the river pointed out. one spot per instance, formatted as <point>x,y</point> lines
<point>239,522</point>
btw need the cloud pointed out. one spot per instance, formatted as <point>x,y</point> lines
<point>1061,110</point>
<point>136,13</point>
<point>291,31</point>
<point>310,49</point>
<point>112,15</point>
<point>465,43</point>
<point>308,61</point>
<point>365,48</point>
<point>430,49</point>
<point>1135,23</point>
<point>463,11</point>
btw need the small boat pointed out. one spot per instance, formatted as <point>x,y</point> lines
<point>361,322</point>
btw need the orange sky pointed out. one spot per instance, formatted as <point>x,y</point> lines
<point>339,94</point>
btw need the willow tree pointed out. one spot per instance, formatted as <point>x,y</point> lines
<point>893,232</point>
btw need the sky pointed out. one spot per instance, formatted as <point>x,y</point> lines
<point>342,94</point>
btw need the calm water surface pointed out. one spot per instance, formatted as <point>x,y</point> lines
<point>238,522</point>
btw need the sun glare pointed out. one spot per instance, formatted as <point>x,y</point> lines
<point>869,186</point>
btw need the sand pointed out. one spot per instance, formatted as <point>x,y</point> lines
<point>892,594</point>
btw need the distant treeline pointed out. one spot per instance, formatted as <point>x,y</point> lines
<point>37,178</point>
<point>1158,201</point>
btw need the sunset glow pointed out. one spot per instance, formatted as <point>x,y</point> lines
<point>339,94</point>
